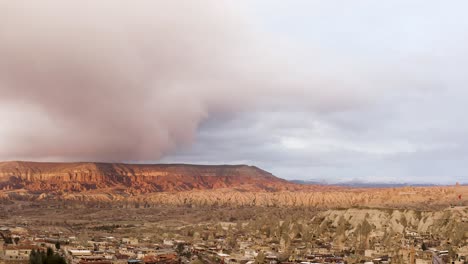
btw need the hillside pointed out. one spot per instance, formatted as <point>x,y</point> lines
<point>136,178</point>
<point>197,185</point>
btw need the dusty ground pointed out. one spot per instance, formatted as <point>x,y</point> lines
<point>101,220</point>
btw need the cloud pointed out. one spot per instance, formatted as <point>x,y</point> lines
<point>108,80</point>
<point>119,80</point>
<point>321,148</point>
<point>303,89</point>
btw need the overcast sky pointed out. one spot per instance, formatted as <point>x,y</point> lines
<point>313,90</point>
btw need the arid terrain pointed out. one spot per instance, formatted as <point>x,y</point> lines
<point>236,211</point>
<point>350,235</point>
<point>195,185</point>
<point>134,178</point>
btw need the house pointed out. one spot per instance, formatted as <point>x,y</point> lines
<point>423,261</point>
<point>169,258</point>
<point>78,253</point>
<point>19,252</point>
<point>121,258</point>
<point>130,241</point>
<point>134,261</point>
<point>411,233</point>
<point>94,260</point>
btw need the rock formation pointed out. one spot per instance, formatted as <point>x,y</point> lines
<point>199,185</point>
<point>135,178</point>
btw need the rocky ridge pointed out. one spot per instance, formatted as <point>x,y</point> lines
<point>134,178</point>
<point>201,185</point>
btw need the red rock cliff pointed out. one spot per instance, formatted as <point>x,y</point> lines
<point>141,178</point>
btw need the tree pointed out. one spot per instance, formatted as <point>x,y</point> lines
<point>197,261</point>
<point>50,252</point>
<point>49,257</point>
<point>283,257</point>
<point>423,246</point>
<point>180,248</point>
<point>260,259</point>
<point>453,252</point>
<point>35,257</point>
<point>181,251</point>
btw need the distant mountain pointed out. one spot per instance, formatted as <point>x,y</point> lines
<point>135,178</point>
<point>361,184</point>
<point>308,182</point>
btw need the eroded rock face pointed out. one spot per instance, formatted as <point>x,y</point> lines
<point>179,184</point>
<point>135,178</point>
<point>387,228</point>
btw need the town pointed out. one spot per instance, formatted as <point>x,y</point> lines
<point>235,243</point>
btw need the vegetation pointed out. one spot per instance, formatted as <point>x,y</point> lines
<point>197,261</point>
<point>6,238</point>
<point>260,259</point>
<point>48,257</point>
<point>181,251</point>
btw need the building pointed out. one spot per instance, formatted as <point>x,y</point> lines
<point>170,258</point>
<point>94,260</point>
<point>78,253</point>
<point>19,252</point>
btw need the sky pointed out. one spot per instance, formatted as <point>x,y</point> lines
<point>327,91</point>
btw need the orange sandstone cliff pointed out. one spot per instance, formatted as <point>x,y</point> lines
<point>140,178</point>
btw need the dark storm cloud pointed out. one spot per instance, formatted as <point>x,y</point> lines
<point>119,80</point>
